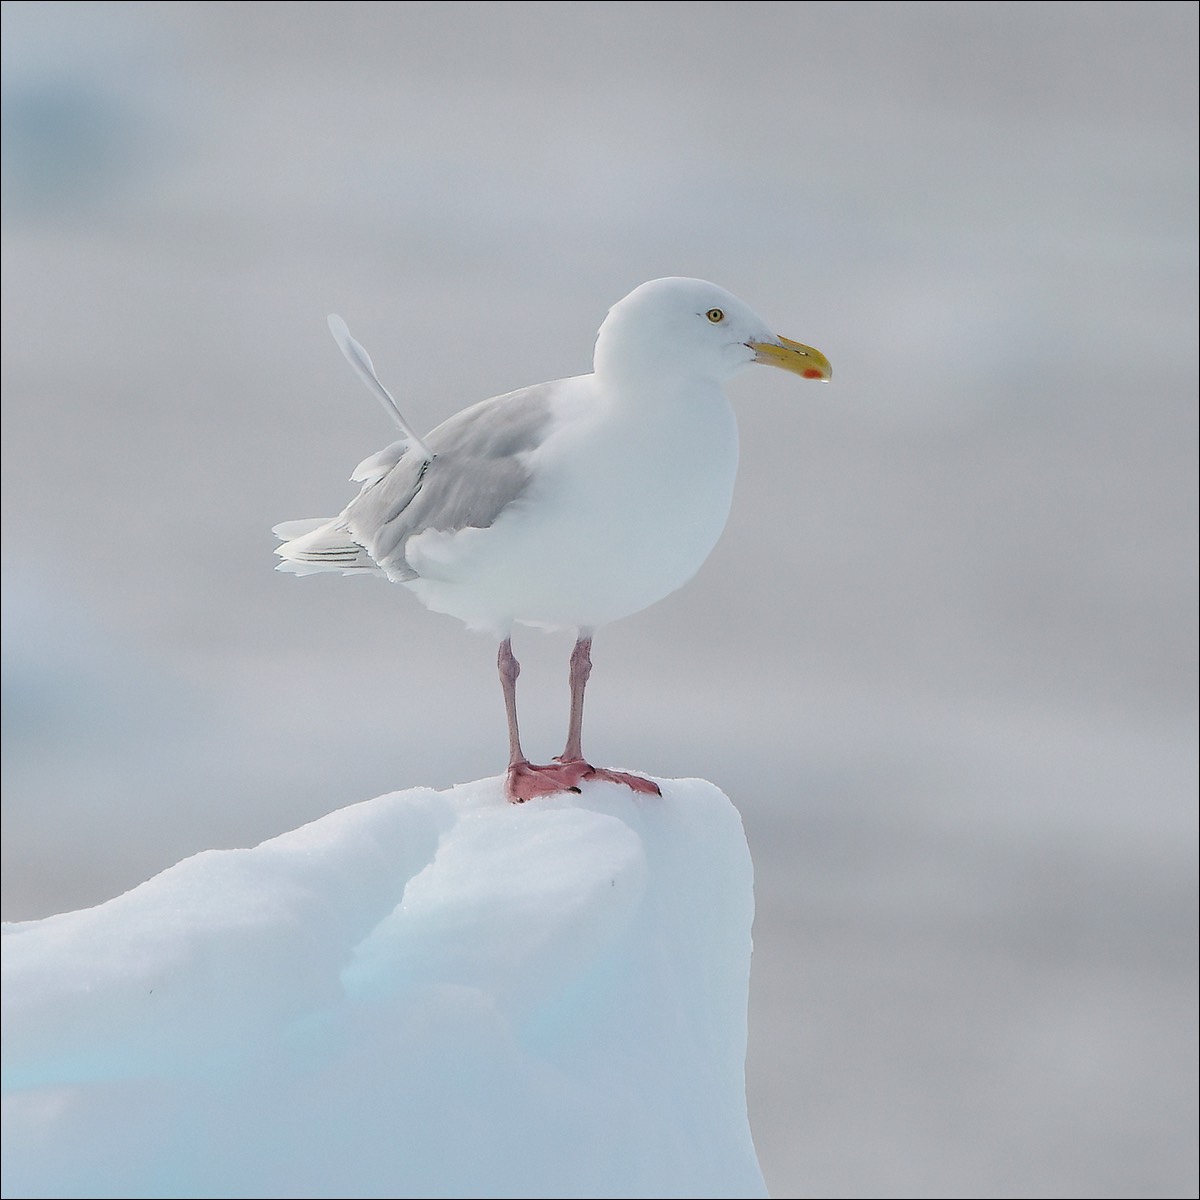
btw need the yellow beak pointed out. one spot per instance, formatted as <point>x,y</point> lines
<point>793,356</point>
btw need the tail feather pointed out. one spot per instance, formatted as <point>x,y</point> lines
<point>321,544</point>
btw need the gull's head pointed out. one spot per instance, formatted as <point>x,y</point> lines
<point>687,328</point>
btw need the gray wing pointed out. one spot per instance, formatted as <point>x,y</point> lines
<point>477,471</point>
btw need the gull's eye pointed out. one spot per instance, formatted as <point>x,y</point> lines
<point>715,315</point>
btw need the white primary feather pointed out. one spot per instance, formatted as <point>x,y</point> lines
<point>360,360</point>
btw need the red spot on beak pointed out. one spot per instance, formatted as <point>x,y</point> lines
<point>811,373</point>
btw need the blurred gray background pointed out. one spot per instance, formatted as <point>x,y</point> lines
<point>943,660</point>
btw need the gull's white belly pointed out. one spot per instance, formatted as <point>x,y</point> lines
<point>618,516</point>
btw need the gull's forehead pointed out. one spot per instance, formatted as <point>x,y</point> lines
<point>672,303</point>
<point>675,294</point>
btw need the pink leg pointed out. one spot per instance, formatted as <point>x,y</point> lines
<point>526,780</point>
<point>581,669</point>
<point>509,669</point>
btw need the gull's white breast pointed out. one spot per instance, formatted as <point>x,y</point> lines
<point>626,501</point>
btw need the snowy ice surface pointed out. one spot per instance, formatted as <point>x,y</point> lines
<point>427,994</point>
